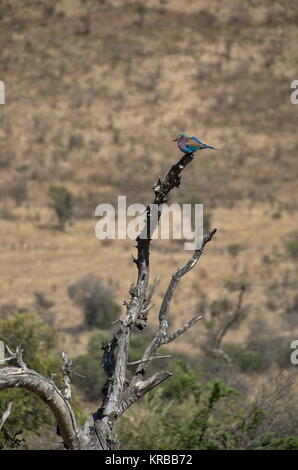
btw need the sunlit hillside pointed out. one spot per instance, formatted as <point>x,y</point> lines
<point>96,91</point>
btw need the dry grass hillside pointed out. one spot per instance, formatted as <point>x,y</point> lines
<point>95,93</point>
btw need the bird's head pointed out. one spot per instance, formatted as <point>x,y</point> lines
<point>180,137</point>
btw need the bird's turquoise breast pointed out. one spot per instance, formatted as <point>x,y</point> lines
<point>191,148</point>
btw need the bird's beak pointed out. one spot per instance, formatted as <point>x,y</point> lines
<point>175,140</point>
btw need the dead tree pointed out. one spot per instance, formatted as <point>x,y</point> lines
<point>118,393</point>
<point>215,336</point>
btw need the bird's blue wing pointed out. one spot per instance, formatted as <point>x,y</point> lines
<point>193,144</point>
<point>195,139</point>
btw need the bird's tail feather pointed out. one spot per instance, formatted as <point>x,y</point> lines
<point>213,148</point>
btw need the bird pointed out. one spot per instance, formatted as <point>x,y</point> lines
<point>190,144</point>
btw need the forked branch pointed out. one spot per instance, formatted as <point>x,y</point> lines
<point>162,336</point>
<point>5,414</point>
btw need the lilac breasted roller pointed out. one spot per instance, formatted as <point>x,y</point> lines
<point>190,144</point>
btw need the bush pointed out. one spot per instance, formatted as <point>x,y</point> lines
<point>28,412</point>
<point>92,377</point>
<point>38,339</point>
<point>293,308</point>
<point>18,190</point>
<point>62,202</point>
<point>220,307</point>
<point>43,307</point>
<point>260,353</point>
<point>182,384</point>
<point>291,245</point>
<point>247,360</point>
<point>42,301</point>
<point>96,301</point>
<point>75,141</point>
<point>234,249</point>
<point>141,10</point>
<point>211,416</point>
<point>273,349</point>
<point>188,420</point>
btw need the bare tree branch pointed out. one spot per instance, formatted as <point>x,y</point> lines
<point>220,353</point>
<point>159,356</point>
<point>66,374</point>
<point>141,387</point>
<point>184,328</point>
<point>235,316</point>
<point>50,394</point>
<point>143,317</point>
<point>213,346</point>
<point>161,336</point>
<point>6,414</point>
<point>17,355</point>
<point>150,293</point>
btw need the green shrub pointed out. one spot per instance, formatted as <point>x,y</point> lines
<point>273,349</point>
<point>291,245</point>
<point>251,361</point>
<point>96,301</point>
<point>61,200</point>
<point>180,415</point>
<point>89,365</point>
<point>42,301</point>
<point>18,190</point>
<point>247,360</point>
<point>91,376</point>
<point>270,442</point>
<point>210,415</point>
<point>234,249</point>
<point>183,383</point>
<point>142,11</point>
<point>75,141</point>
<point>260,353</point>
<point>38,339</point>
<point>28,412</point>
<point>220,307</point>
<point>293,308</point>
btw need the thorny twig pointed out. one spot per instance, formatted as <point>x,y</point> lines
<point>15,355</point>
<point>5,414</point>
<point>66,374</point>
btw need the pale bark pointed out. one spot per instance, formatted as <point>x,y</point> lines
<point>50,394</point>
